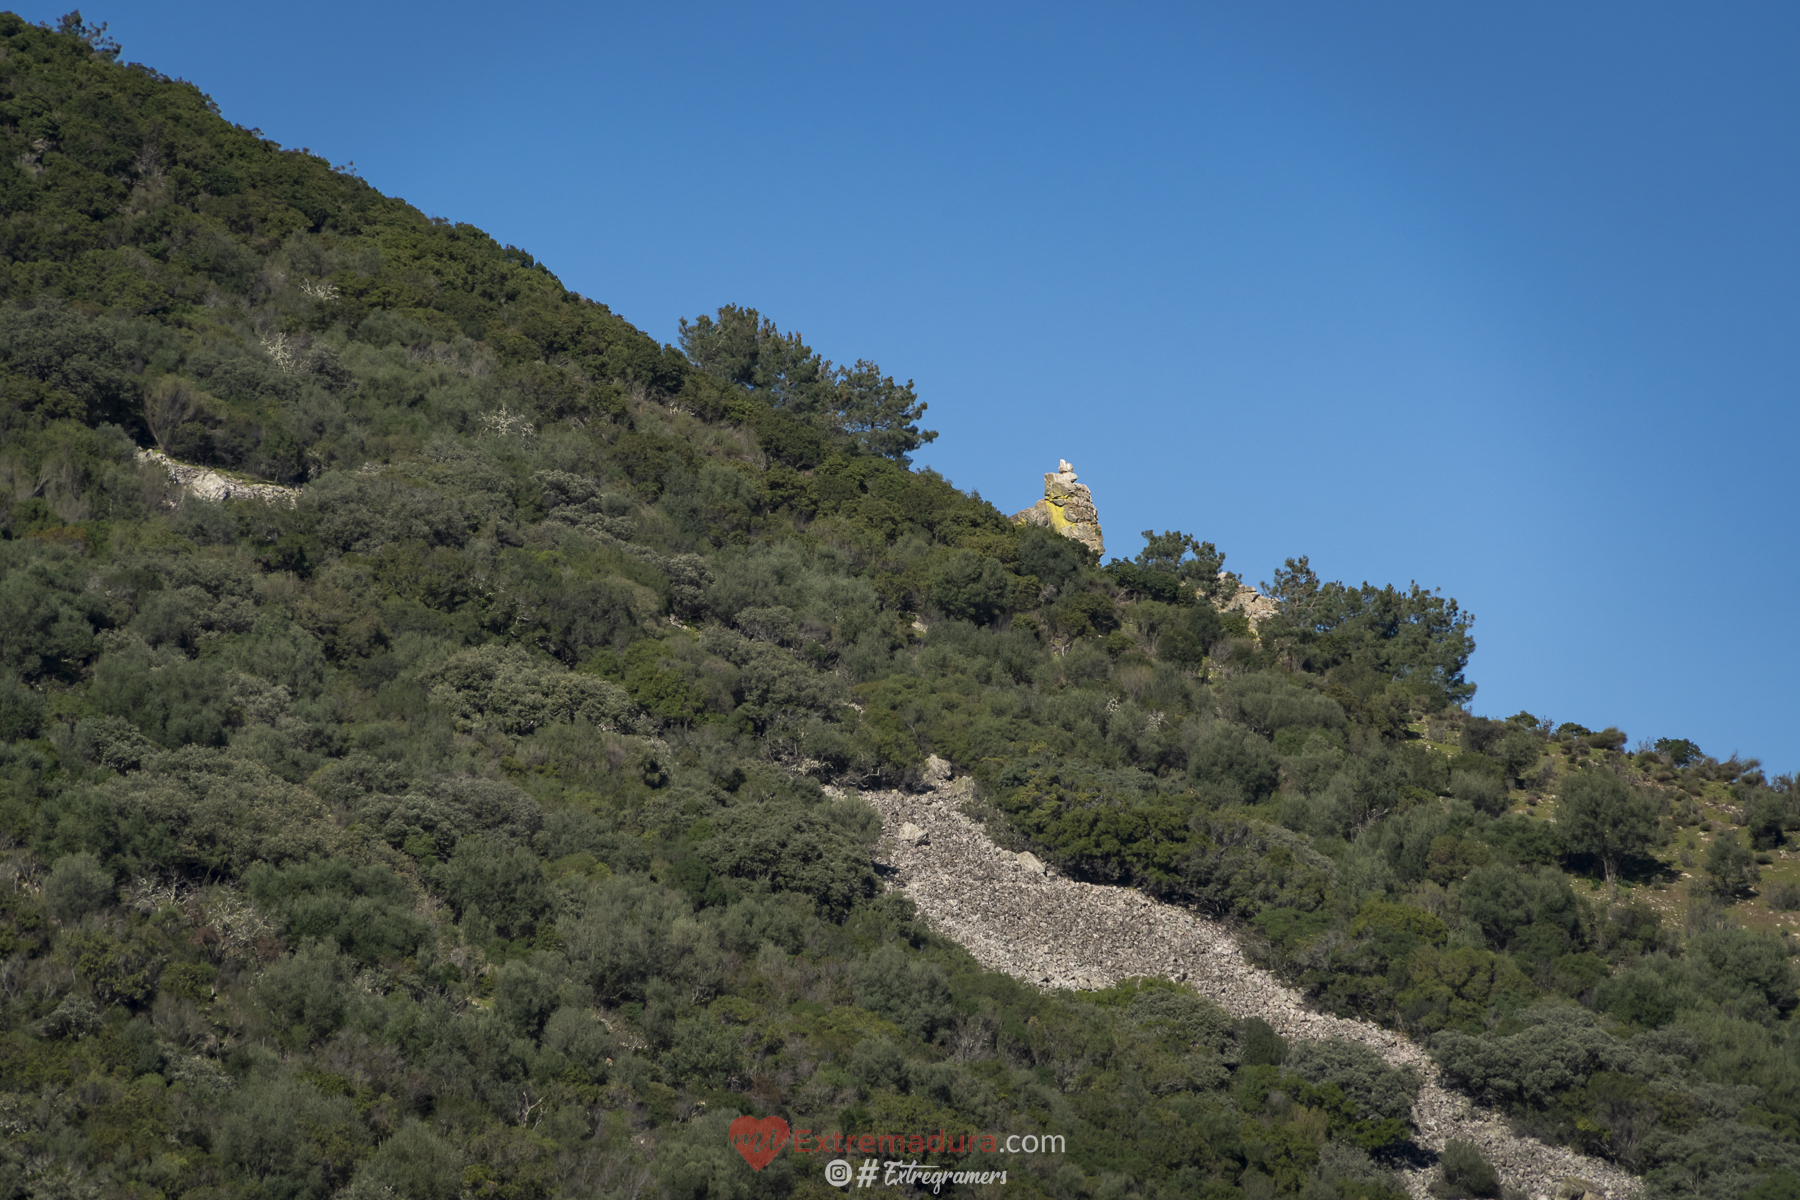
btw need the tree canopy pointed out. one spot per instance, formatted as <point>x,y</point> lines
<point>745,348</point>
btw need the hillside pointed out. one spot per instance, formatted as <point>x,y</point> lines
<point>482,812</point>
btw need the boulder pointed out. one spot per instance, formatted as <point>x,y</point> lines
<point>912,835</point>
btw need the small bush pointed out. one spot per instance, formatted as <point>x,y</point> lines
<point>1484,792</point>
<point>1259,1045</point>
<point>1463,1172</point>
<point>1785,897</point>
<point>21,710</point>
<point>1518,752</point>
<point>1379,1091</point>
<point>75,1016</point>
<point>415,1163</point>
<point>307,991</point>
<point>77,886</point>
<point>504,882</point>
<point>1729,866</point>
<point>1610,738</point>
<point>911,992</point>
<point>877,1063</point>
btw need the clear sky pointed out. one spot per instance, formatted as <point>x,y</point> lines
<point>1501,298</point>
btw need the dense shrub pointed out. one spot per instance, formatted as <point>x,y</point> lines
<point>1558,1048</point>
<point>1784,897</point>
<point>1235,764</point>
<point>367,911</point>
<point>1268,704</point>
<point>21,710</point>
<point>1482,792</point>
<point>821,850</point>
<point>307,990</point>
<point>907,991</point>
<point>1380,1092</point>
<point>1730,868</point>
<point>501,882</point>
<point>77,885</point>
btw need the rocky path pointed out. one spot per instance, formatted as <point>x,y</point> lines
<point>1057,933</point>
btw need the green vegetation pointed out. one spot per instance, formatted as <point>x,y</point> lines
<point>1463,1172</point>
<point>460,827</point>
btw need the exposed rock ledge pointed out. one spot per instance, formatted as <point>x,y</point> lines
<point>209,484</point>
<point>1067,507</point>
<point>1056,933</point>
<point>1253,604</point>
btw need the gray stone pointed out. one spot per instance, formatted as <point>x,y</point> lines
<point>211,485</point>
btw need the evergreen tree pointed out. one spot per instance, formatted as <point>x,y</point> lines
<point>1602,815</point>
<point>872,412</point>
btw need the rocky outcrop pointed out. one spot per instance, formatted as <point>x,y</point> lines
<point>208,484</point>
<point>1053,932</point>
<point>1067,507</point>
<point>1253,604</point>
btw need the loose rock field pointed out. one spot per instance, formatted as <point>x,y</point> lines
<point>1057,933</point>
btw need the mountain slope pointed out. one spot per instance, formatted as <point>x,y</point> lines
<point>460,826</point>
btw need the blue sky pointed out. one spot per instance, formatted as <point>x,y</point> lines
<point>1502,299</point>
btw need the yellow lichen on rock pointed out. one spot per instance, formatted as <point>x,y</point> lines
<point>1067,507</point>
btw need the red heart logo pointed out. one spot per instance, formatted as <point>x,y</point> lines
<point>759,1141</point>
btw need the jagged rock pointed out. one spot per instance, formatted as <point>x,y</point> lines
<point>1067,507</point>
<point>1032,864</point>
<point>913,835</point>
<point>936,772</point>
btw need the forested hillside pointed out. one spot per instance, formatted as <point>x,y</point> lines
<point>459,828</point>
